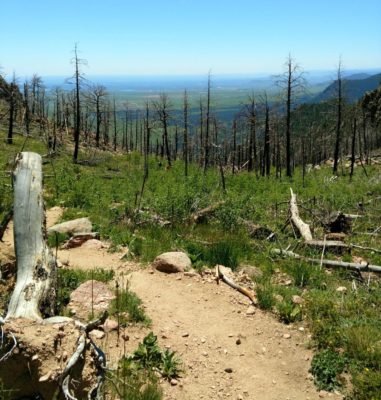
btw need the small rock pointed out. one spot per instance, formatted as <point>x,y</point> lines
<point>97,334</point>
<point>174,382</point>
<point>35,357</point>
<point>125,337</point>
<point>301,329</point>
<point>45,377</point>
<point>251,310</point>
<point>323,393</point>
<point>110,325</point>
<point>278,298</point>
<point>228,370</point>
<point>286,336</point>
<point>185,334</point>
<point>240,397</point>
<point>190,274</point>
<point>341,289</point>
<point>297,299</point>
<point>238,341</point>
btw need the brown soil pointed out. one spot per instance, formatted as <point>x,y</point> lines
<point>225,352</point>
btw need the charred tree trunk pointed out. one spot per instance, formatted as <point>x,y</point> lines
<point>185,143</point>
<point>338,122</point>
<point>353,157</point>
<point>207,128</point>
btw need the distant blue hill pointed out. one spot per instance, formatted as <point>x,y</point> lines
<point>353,88</point>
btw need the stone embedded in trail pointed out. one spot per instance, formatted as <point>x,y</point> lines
<point>79,225</point>
<point>80,239</point>
<point>251,310</point>
<point>172,262</point>
<point>110,325</point>
<point>90,296</point>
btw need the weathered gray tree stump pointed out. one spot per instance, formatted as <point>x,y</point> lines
<point>36,265</point>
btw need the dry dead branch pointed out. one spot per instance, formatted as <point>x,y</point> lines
<point>231,283</point>
<point>331,263</point>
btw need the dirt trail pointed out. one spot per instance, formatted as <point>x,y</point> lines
<point>226,353</point>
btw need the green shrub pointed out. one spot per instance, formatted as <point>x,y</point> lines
<point>127,302</point>
<point>149,356</point>
<point>265,296</point>
<point>133,384</point>
<point>324,319</point>
<point>224,253</point>
<point>326,366</point>
<point>363,344</point>
<point>55,239</point>
<point>288,312</point>
<point>366,385</point>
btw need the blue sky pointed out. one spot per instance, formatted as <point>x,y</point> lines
<point>188,37</point>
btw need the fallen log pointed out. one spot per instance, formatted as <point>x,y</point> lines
<point>356,246</point>
<point>334,246</point>
<point>331,263</point>
<point>201,216</point>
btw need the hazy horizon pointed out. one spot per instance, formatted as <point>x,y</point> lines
<point>181,37</point>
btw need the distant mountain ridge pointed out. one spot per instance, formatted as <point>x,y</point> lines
<point>353,87</point>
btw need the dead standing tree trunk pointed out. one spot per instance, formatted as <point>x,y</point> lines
<point>36,266</point>
<point>31,297</point>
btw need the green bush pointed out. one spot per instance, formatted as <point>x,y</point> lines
<point>288,312</point>
<point>127,302</point>
<point>363,344</point>
<point>149,356</point>
<point>324,319</point>
<point>326,366</point>
<point>55,239</point>
<point>366,385</point>
<point>224,253</point>
<point>265,296</point>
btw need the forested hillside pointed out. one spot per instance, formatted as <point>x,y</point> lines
<point>302,265</point>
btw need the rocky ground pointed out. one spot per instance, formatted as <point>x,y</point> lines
<point>229,349</point>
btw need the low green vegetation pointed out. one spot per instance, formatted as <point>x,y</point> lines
<point>127,307</point>
<point>137,377</point>
<point>149,356</point>
<point>344,324</point>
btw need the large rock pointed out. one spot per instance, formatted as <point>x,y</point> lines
<point>90,296</point>
<point>79,225</point>
<point>174,261</point>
